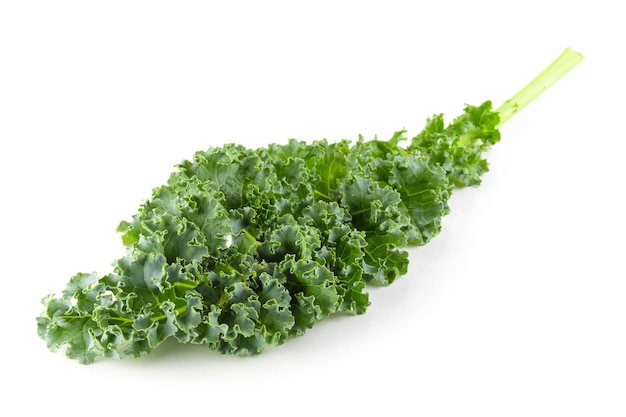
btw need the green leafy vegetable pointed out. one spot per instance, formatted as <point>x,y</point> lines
<point>244,248</point>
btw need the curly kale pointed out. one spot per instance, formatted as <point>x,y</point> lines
<point>245,248</point>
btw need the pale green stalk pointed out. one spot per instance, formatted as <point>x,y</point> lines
<point>554,72</point>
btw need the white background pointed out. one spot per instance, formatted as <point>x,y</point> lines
<point>516,309</point>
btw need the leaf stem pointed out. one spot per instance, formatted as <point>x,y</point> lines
<point>179,310</point>
<point>568,59</point>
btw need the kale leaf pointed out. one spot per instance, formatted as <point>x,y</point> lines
<point>244,248</point>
